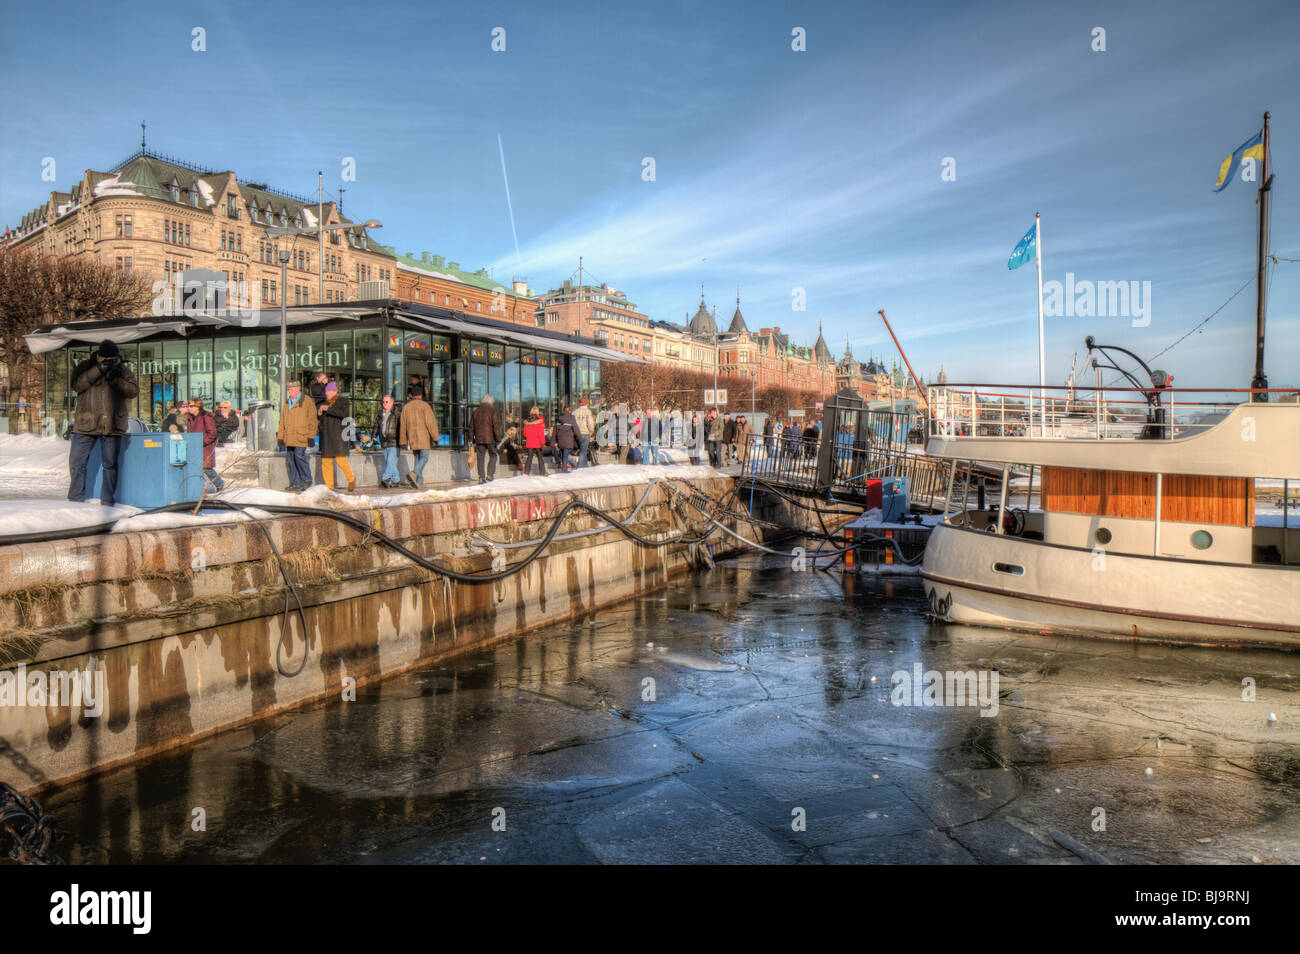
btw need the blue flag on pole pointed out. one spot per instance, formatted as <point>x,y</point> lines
<point>1024,252</point>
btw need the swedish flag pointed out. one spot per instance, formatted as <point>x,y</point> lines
<point>1252,148</point>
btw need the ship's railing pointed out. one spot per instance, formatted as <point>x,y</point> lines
<point>959,411</point>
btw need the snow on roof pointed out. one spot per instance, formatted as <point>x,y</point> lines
<point>115,186</point>
<point>428,271</point>
<point>206,191</point>
<point>308,216</point>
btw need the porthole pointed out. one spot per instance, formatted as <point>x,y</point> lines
<point>1102,536</point>
<point>1202,540</point>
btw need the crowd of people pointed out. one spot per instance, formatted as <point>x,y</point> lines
<point>318,416</point>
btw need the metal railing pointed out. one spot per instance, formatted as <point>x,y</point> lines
<point>794,465</point>
<point>1010,411</point>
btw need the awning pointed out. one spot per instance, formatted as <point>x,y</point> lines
<point>510,336</point>
<point>93,332</point>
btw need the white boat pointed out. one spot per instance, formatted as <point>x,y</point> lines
<point>1152,537</point>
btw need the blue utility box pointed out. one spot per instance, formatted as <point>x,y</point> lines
<point>893,499</point>
<point>153,470</point>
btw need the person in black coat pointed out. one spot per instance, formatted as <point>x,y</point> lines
<point>336,428</point>
<point>566,437</point>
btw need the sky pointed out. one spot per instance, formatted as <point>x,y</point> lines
<point>811,182</point>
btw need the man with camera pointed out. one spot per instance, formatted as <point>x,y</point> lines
<point>103,385</point>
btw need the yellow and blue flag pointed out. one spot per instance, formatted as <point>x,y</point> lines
<point>1252,148</point>
<point>1024,252</point>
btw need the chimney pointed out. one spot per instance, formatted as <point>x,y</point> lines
<point>424,257</point>
<point>437,261</point>
<point>454,266</point>
<point>520,285</point>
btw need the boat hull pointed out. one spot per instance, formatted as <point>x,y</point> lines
<point>984,579</point>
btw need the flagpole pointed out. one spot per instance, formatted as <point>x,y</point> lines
<point>1042,362</point>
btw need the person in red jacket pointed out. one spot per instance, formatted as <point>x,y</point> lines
<point>202,422</point>
<point>534,441</point>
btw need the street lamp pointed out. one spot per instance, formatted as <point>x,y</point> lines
<point>278,231</point>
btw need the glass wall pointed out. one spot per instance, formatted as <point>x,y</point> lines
<point>365,362</point>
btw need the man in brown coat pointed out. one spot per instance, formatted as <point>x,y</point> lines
<point>298,424</point>
<point>418,432</point>
<point>486,434</point>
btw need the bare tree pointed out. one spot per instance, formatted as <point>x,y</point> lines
<point>38,288</point>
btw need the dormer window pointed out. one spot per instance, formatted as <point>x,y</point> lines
<point>175,190</point>
<point>252,211</point>
<point>194,196</point>
<point>297,221</point>
<point>284,218</point>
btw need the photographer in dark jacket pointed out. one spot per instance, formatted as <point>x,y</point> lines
<point>103,385</point>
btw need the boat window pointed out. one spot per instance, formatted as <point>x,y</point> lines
<point>1102,536</point>
<point>1009,568</point>
<point>1202,540</point>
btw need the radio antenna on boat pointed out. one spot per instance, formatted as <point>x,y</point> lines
<point>1260,379</point>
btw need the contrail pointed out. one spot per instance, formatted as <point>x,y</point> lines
<point>509,205</point>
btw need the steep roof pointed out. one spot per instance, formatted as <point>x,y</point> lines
<point>737,321</point>
<point>820,351</point>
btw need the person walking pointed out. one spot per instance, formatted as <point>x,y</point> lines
<point>810,439</point>
<point>384,435</point>
<point>586,424</point>
<point>743,439</point>
<point>790,435</point>
<point>419,432</point>
<point>769,436</point>
<point>334,447</point>
<point>298,423</point>
<point>728,438</point>
<point>534,441</point>
<point>652,434</point>
<point>715,427</point>
<point>486,433</point>
<point>103,385</point>
<point>566,439</point>
<point>201,422</point>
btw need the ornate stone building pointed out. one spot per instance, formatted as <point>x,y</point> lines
<point>157,217</point>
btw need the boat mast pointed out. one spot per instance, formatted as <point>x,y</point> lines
<point>1265,182</point>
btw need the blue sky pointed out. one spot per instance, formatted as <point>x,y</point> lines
<point>775,169</point>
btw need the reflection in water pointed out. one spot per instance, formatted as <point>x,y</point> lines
<point>766,688</point>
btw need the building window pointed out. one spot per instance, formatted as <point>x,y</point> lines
<point>272,289</point>
<point>194,196</point>
<point>117,221</point>
<point>232,210</point>
<point>265,289</point>
<point>239,242</point>
<point>175,190</point>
